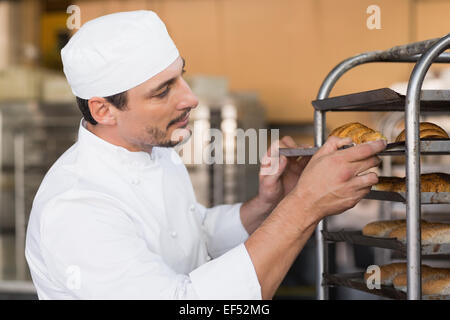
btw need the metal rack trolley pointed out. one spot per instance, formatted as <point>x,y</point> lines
<point>423,54</point>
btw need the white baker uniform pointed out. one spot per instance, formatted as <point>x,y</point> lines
<point>108,223</point>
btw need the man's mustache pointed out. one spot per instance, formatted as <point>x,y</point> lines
<point>183,115</point>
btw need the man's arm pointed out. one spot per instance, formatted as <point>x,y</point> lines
<point>331,183</point>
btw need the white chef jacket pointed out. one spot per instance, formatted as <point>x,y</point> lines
<point>107,223</point>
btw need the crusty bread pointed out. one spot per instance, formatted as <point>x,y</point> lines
<point>392,184</point>
<point>427,130</point>
<point>429,182</point>
<point>431,233</point>
<point>439,286</point>
<point>389,272</point>
<point>381,228</point>
<point>428,274</point>
<point>358,132</point>
<point>400,282</point>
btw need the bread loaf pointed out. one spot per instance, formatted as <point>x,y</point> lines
<point>431,233</point>
<point>381,228</point>
<point>400,282</point>
<point>427,130</point>
<point>358,132</point>
<point>429,182</point>
<point>439,286</point>
<point>388,272</point>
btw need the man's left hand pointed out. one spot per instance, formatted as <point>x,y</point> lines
<point>279,174</point>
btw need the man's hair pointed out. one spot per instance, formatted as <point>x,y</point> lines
<point>119,100</point>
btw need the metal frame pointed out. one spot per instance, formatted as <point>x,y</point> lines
<point>413,52</point>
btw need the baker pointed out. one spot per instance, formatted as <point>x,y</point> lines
<point>116,217</point>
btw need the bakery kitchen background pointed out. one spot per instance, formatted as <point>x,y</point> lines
<point>253,64</point>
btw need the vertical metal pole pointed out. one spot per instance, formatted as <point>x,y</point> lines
<point>412,112</point>
<point>1,163</point>
<point>19,197</point>
<point>321,249</point>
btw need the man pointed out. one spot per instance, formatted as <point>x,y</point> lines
<point>116,218</point>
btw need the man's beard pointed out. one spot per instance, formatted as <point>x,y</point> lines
<point>160,139</point>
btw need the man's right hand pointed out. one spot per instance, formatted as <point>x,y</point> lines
<point>333,182</point>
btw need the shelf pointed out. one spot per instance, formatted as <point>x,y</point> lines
<point>356,281</point>
<point>426,197</point>
<point>356,237</point>
<point>384,99</point>
<point>427,147</point>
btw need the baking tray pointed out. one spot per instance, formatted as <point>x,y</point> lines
<point>427,147</point>
<point>356,281</point>
<point>383,99</point>
<point>356,237</point>
<point>425,197</point>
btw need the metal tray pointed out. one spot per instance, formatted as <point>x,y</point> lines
<point>356,237</point>
<point>356,281</point>
<point>384,99</point>
<point>427,147</point>
<point>425,197</point>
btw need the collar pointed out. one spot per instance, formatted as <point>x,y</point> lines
<point>117,154</point>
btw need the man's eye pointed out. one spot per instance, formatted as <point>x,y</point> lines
<point>164,93</point>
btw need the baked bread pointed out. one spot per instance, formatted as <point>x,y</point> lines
<point>381,228</point>
<point>431,233</point>
<point>429,182</point>
<point>358,132</point>
<point>400,282</point>
<point>426,130</point>
<point>388,272</point>
<point>440,286</point>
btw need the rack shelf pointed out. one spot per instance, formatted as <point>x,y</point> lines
<point>356,237</point>
<point>425,197</point>
<point>427,147</point>
<point>356,281</point>
<point>384,99</point>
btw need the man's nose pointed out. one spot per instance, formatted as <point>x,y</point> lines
<point>187,98</point>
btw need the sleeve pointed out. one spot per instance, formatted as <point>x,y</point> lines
<point>223,228</point>
<point>93,250</point>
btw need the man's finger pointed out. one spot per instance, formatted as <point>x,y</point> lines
<point>273,169</point>
<point>289,142</point>
<point>364,165</point>
<point>332,144</point>
<point>364,150</point>
<point>364,181</point>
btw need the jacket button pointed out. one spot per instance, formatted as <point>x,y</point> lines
<point>173,234</point>
<point>135,181</point>
<point>192,209</point>
<point>208,258</point>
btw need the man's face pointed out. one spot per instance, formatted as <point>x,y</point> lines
<point>158,110</point>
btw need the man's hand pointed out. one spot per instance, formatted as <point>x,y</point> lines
<point>335,180</point>
<point>279,175</point>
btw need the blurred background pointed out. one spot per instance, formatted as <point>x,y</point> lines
<point>252,63</point>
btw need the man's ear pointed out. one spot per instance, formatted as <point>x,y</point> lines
<point>102,111</point>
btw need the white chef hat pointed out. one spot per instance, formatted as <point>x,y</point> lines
<point>116,52</point>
